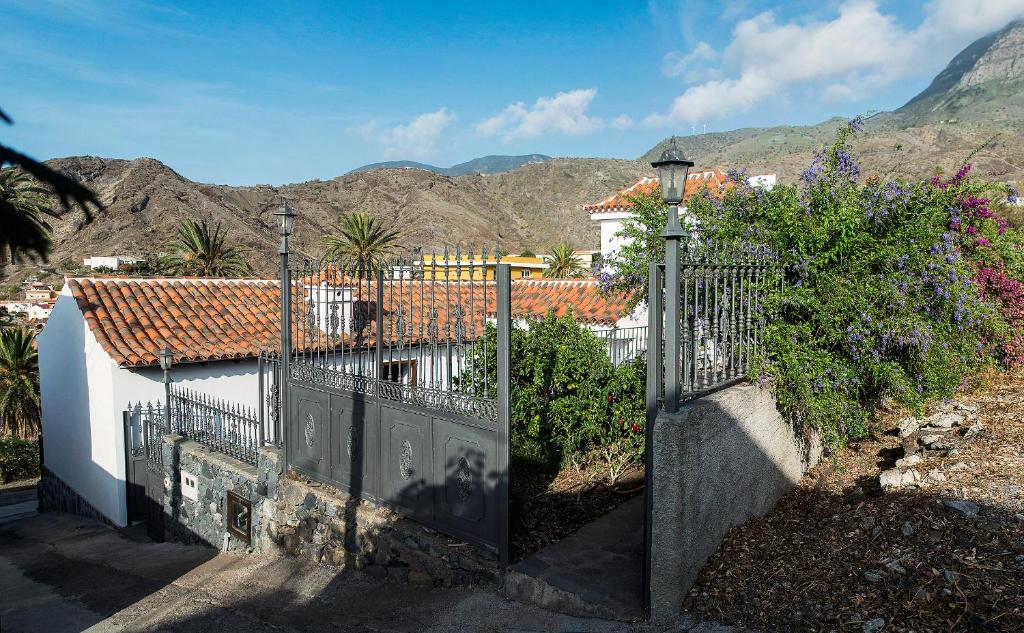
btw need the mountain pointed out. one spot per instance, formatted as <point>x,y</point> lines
<point>976,102</point>
<point>484,165</point>
<point>986,80</point>
<point>145,201</point>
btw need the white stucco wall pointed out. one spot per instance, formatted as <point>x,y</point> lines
<point>235,381</point>
<point>83,438</point>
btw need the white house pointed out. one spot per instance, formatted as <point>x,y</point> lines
<point>113,262</point>
<point>613,210</point>
<point>99,351</point>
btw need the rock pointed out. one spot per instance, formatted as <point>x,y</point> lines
<point>974,431</point>
<point>908,426</point>
<point>908,461</point>
<point>968,509</point>
<point>874,575</point>
<point>957,467</point>
<point>907,529</point>
<point>895,567</point>
<point>931,441</point>
<point>935,476</point>
<point>943,420</point>
<point>950,576</point>
<point>894,479</point>
<point>139,204</point>
<point>420,577</point>
<point>869,522</point>
<point>874,625</point>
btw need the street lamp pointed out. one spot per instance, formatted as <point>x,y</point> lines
<point>673,169</point>
<point>285,221</point>
<point>166,362</point>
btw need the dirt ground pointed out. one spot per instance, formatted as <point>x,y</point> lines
<point>840,554</point>
<point>548,507</point>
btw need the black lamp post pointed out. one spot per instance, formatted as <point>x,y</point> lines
<point>673,169</point>
<point>285,220</point>
<point>166,362</point>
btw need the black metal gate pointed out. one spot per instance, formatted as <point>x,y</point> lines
<point>397,389</point>
<point>144,472</point>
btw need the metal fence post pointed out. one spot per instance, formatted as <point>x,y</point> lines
<point>673,234</point>
<point>286,351</point>
<point>378,353</point>
<point>503,279</point>
<point>655,314</point>
<point>260,369</point>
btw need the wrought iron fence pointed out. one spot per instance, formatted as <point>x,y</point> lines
<point>624,344</point>
<point>223,426</point>
<point>412,329</point>
<point>146,426</point>
<point>721,297</point>
<point>269,408</point>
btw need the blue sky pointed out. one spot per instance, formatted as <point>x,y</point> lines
<point>277,92</point>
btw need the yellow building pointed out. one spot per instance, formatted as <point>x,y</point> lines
<point>436,267</point>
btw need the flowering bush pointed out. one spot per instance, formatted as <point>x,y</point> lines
<point>893,289</point>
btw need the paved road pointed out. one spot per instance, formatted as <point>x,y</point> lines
<point>63,573</point>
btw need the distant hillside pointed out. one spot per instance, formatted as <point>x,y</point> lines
<point>534,201</point>
<point>978,100</point>
<point>483,165</point>
<point>535,207</point>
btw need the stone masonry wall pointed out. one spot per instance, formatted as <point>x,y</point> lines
<point>297,517</point>
<point>205,519</point>
<point>326,525</point>
<point>57,496</point>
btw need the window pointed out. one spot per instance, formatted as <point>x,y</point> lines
<point>400,371</point>
<point>524,274</point>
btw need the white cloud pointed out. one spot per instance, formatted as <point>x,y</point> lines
<point>417,139</point>
<point>677,64</point>
<point>564,113</point>
<point>860,50</point>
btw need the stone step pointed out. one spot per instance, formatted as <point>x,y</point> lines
<point>594,572</point>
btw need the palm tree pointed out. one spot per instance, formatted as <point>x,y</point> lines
<point>19,383</point>
<point>202,253</point>
<point>563,264</point>
<point>362,240</point>
<point>25,203</point>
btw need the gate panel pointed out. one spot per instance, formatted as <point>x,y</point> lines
<point>355,454</point>
<point>309,432</point>
<point>406,473</point>
<point>465,476</point>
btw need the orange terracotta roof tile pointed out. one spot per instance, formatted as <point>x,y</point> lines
<point>218,319</point>
<point>714,181</point>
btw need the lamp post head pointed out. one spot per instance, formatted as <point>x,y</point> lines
<point>166,359</point>
<point>285,219</point>
<point>672,168</point>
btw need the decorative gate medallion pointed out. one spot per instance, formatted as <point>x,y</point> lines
<point>405,461</point>
<point>464,476</point>
<point>310,430</point>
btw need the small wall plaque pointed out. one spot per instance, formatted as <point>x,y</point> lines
<point>239,517</point>
<point>189,487</point>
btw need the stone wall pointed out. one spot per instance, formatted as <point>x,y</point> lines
<point>204,520</point>
<point>296,517</point>
<point>57,496</point>
<point>328,526</point>
<point>717,462</point>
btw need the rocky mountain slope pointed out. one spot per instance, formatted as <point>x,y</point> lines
<point>145,201</point>
<point>976,102</point>
<point>483,165</point>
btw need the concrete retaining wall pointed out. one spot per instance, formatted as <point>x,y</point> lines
<point>717,462</point>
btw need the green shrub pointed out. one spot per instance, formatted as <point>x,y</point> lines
<point>566,398</point>
<point>19,459</point>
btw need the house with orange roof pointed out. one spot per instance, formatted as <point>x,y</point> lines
<point>100,348</point>
<point>611,212</point>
